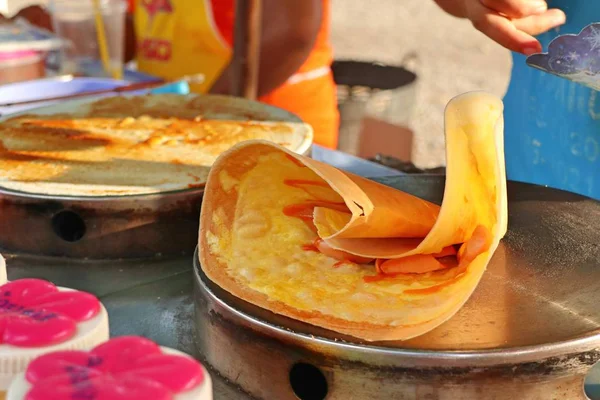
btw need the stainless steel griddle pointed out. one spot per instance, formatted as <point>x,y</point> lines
<point>121,226</point>
<point>530,331</point>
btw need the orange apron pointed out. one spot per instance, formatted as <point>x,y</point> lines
<point>204,29</point>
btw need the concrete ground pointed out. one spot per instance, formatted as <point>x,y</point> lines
<point>453,58</point>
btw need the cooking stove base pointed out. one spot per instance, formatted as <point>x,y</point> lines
<point>530,331</point>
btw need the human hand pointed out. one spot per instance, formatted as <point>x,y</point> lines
<point>511,23</point>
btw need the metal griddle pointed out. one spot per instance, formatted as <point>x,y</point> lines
<point>121,226</point>
<point>530,331</point>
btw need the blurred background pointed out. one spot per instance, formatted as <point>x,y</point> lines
<point>451,57</point>
<point>447,57</point>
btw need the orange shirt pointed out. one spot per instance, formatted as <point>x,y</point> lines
<point>183,37</point>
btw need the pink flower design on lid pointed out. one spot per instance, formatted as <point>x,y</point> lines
<point>33,312</point>
<point>127,367</point>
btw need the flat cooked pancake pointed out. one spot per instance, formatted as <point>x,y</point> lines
<point>121,146</point>
<point>329,248</point>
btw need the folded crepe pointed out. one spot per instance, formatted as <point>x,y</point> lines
<point>323,246</point>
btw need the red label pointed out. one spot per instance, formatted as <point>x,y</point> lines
<point>155,49</point>
<point>153,7</point>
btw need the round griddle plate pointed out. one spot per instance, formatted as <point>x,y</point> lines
<point>539,293</point>
<point>122,225</point>
<point>210,107</point>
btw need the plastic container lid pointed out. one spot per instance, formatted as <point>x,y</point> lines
<point>20,35</point>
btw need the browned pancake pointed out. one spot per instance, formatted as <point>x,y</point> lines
<point>135,145</point>
<point>344,253</point>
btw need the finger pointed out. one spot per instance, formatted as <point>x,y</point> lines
<point>516,8</point>
<point>501,30</point>
<point>536,24</point>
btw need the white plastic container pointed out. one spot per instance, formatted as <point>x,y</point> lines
<point>17,66</point>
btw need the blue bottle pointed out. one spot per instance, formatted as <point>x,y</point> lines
<point>552,125</point>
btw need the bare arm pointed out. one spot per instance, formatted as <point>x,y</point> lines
<point>288,32</point>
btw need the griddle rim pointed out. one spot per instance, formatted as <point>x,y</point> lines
<point>383,356</point>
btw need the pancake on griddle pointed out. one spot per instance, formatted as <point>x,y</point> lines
<point>329,248</point>
<point>128,145</point>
